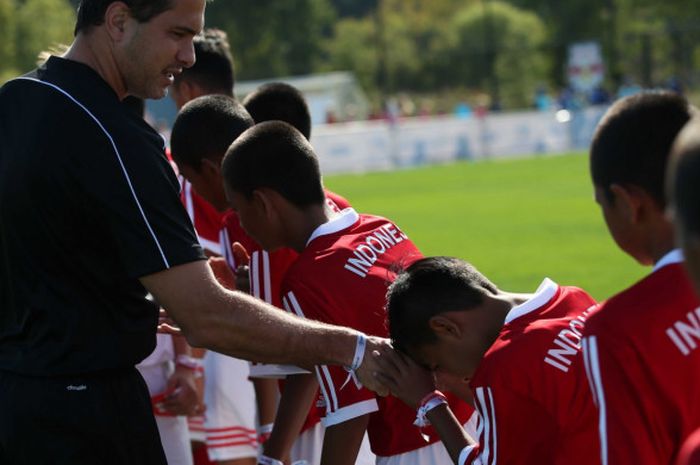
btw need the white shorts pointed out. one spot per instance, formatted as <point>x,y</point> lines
<point>196,427</point>
<point>176,439</point>
<point>309,445</point>
<point>229,419</point>
<point>173,431</point>
<point>434,454</point>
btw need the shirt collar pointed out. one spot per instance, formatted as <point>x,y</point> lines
<point>342,220</point>
<point>543,294</point>
<point>674,256</point>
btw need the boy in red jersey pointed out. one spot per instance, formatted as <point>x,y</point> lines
<point>202,131</point>
<point>640,346</point>
<point>279,101</point>
<point>345,264</point>
<point>684,196</point>
<point>520,353</point>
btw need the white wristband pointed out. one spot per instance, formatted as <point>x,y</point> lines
<point>189,362</point>
<point>265,460</point>
<point>359,356</point>
<point>357,359</point>
<point>421,415</point>
<point>266,428</point>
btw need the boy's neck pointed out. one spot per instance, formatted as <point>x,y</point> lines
<point>309,219</point>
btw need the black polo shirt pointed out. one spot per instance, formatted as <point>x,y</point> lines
<point>88,204</point>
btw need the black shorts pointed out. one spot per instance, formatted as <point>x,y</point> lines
<point>97,419</point>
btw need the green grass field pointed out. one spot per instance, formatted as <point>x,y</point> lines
<point>516,220</point>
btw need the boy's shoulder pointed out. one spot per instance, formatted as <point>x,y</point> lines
<point>656,300</point>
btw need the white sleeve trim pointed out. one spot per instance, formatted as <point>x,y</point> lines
<point>351,411</point>
<point>464,455</point>
<point>592,364</point>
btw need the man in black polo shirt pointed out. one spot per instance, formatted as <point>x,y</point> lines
<point>90,224</point>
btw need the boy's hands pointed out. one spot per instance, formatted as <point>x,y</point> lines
<point>405,379</point>
<point>242,259</point>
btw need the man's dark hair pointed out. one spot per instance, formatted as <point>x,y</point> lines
<point>280,101</point>
<point>684,177</point>
<point>274,155</point>
<point>427,288</point>
<point>213,68</point>
<point>92,12</point>
<point>206,127</point>
<point>633,140</point>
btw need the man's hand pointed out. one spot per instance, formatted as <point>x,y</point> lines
<point>184,399</point>
<point>405,379</point>
<point>377,348</point>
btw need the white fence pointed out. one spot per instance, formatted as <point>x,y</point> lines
<point>379,145</point>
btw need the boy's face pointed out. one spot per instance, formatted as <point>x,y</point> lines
<point>253,219</point>
<point>617,220</point>
<point>207,182</point>
<point>462,339</point>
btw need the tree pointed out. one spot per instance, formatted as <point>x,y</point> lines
<point>41,24</point>
<point>274,38</point>
<point>7,40</point>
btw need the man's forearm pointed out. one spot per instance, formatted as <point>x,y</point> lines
<point>239,325</point>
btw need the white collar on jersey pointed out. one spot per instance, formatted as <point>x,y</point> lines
<point>342,220</point>
<point>674,256</point>
<point>543,294</point>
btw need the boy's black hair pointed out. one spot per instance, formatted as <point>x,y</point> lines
<point>274,155</point>
<point>429,287</point>
<point>92,12</point>
<point>280,101</point>
<point>633,140</point>
<point>213,68</point>
<point>684,177</point>
<point>206,127</point>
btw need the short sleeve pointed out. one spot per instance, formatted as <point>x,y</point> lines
<point>132,189</point>
<point>344,399</point>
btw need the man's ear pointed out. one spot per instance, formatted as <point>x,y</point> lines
<point>628,201</point>
<point>444,327</point>
<point>116,17</point>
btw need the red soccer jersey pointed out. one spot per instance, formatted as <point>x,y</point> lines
<point>342,278</point>
<point>643,365</point>
<point>205,218</point>
<point>533,402</point>
<point>267,269</point>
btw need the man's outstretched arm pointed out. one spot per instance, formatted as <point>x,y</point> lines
<point>239,325</point>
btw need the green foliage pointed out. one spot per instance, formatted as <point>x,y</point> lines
<point>273,38</point>
<point>431,45</point>
<point>7,40</point>
<point>512,38</point>
<point>41,24</point>
<point>516,220</point>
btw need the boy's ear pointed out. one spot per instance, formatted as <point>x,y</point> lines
<point>211,170</point>
<point>628,200</point>
<point>444,327</point>
<point>263,202</point>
